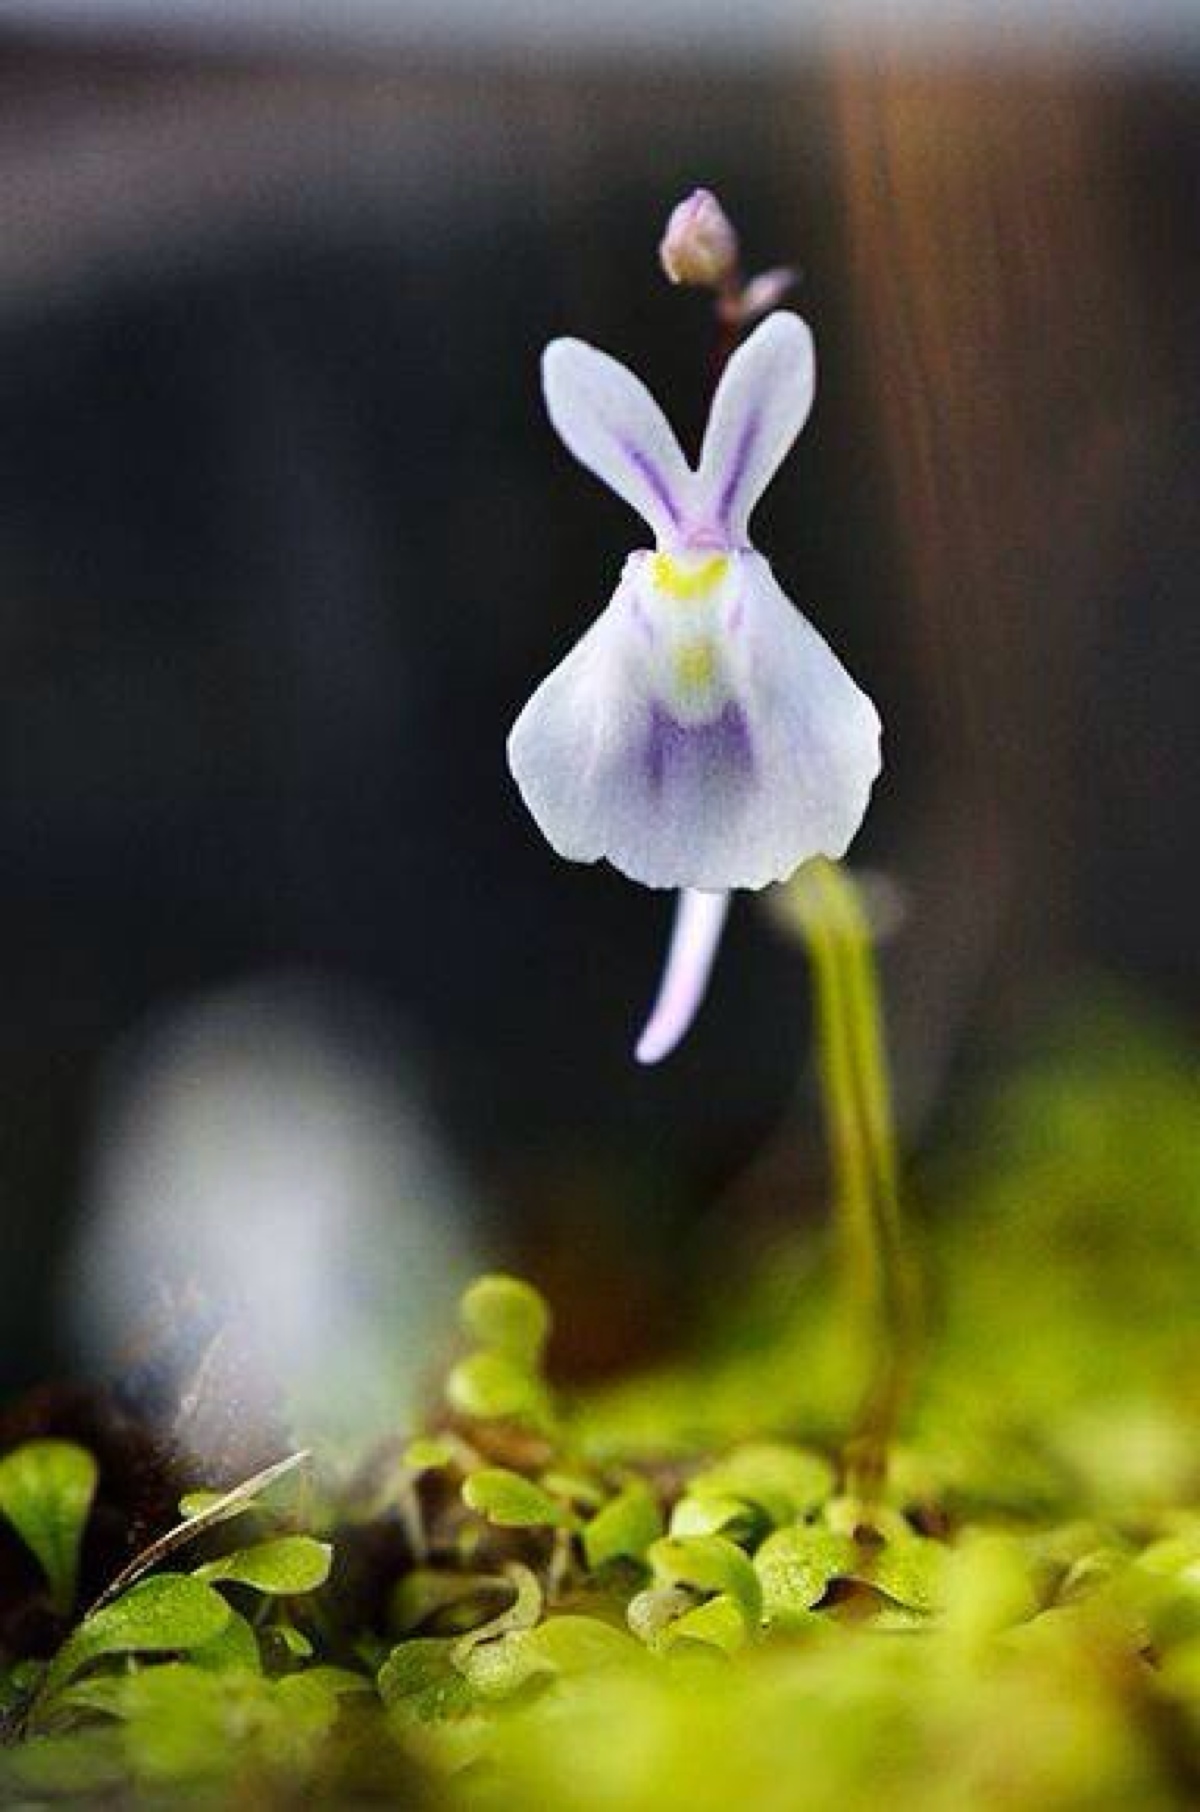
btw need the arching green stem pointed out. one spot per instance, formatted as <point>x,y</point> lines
<point>879,1277</point>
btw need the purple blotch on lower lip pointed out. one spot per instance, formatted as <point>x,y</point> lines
<point>720,747</point>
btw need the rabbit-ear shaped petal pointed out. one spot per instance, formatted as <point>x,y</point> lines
<point>614,427</point>
<point>762,402</point>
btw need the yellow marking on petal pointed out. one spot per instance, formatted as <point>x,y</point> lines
<point>695,666</point>
<point>687,582</point>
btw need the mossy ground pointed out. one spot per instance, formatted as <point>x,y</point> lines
<point>665,1596</point>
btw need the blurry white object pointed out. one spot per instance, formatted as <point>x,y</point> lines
<point>262,1150</point>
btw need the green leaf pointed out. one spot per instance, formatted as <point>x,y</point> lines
<point>509,1316</point>
<point>582,1492</point>
<point>912,1572</point>
<point>991,1587</point>
<point>234,1649</point>
<point>796,1566</point>
<point>624,1528</point>
<point>420,1680</point>
<point>199,1518</point>
<point>513,1501</point>
<point>582,1645</point>
<point>709,1563</point>
<point>311,1699</point>
<point>46,1492</point>
<point>199,1503</point>
<point>494,1670</point>
<point>718,1621</point>
<point>784,1482</point>
<point>176,1725</point>
<point>520,1614</point>
<point>649,1614</point>
<point>428,1453</point>
<point>731,1516</point>
<point>293,1642</point>
<point>491,1384</point>
<point>429,1592</point>
<point>560,1645</point>
<point>165,1614</point>
<point>284,1566</point>
<point>1177,1555</point>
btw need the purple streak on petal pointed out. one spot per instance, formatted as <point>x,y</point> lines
<point>654,479</point>
<point>665,735</point>
<point>695,937</point>
<point>722,746</point>
<point>641,619</point>
<point>737,471</point>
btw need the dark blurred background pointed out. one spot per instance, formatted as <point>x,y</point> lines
<point>286,541</point>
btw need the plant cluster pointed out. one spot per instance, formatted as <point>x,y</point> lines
<point>524,1605</point>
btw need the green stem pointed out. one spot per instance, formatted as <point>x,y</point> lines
<point>879,1279</point>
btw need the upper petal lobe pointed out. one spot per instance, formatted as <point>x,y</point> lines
<point>761,404</point>
<point>613,426</point>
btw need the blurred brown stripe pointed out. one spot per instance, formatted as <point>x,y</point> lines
<point>997,307</point>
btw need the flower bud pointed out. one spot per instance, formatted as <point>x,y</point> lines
<point>699,246</point>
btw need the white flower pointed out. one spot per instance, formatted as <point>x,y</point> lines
<point>701,734</point>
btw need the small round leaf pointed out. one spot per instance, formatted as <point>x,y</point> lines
<point>46,1492</point>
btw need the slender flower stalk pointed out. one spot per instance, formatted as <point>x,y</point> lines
<point>879,1278</point>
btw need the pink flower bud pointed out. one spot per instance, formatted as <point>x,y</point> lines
<point>699,246</point>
